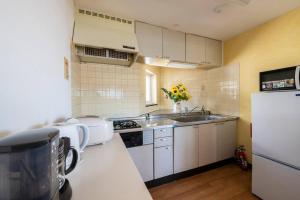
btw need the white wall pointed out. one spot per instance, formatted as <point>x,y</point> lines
<point>35,37</point>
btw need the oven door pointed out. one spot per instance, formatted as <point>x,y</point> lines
<point>132,139</point>
<point>280,79</point>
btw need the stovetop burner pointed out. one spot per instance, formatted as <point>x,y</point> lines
<point>125,124</point>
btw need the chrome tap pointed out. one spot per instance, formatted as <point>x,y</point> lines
<point>203,111</point>
<point>147,116</point>
<point>194,109</point>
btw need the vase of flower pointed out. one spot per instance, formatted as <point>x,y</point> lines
<point>177,107</point>
<point>177,94</point>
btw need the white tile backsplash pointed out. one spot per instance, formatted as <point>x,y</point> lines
<point>222,87</point>
<point>110,90</point>
<point>117,91</point>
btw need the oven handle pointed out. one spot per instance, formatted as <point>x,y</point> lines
<point>297,77</point>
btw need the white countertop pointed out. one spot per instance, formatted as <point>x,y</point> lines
<point>107,172</point>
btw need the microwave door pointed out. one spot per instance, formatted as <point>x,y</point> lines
<point>297,77</point>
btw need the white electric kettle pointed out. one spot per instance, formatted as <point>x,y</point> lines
<point>73,132</point>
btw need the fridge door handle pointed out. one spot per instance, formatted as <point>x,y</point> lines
<point>297,77</point>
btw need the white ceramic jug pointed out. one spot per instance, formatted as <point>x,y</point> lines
<point>72,131</point>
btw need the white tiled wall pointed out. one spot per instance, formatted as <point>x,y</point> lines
<point>216,89</point>
<point>110,90</point>
<point>118,91</point>
<point>193,79</point>
<point>222,89</point>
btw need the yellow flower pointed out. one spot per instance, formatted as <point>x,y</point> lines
<point>178,93</point>
<point>174,90</point>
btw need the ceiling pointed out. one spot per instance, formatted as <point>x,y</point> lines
<point>196,16</point>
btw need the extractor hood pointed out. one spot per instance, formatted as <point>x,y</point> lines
<point>100,38</point>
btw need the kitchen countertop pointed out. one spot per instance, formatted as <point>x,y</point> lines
<point>166,123</point>
<point>107,172</point>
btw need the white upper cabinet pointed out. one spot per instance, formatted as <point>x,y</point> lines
<point>149,39</point>
<point>195,49</point>
<point>213,52</point>
<point>174,45</point>
<point>158,42</point>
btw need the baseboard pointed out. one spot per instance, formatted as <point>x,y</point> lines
<point>185,174</point>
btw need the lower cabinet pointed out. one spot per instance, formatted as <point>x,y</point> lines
<point>207,144</point>
<point>226,139</point>
<point>197,146</point>
<point>142,157</point>
<point>185,148</point>
<point>163,161</point>
<point>194,146</point>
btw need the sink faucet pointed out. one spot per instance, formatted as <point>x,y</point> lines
<point>203,111</point>
<point>194,109</point>
<point>147,116</point>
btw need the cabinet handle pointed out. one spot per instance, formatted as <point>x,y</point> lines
<point>167,147</point>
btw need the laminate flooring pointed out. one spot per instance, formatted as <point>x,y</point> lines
<point>224,183</point>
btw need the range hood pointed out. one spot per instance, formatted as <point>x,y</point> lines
<point>101,38</point>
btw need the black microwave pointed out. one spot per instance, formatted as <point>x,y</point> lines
<point>280,79</point>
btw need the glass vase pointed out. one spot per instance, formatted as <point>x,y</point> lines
<point>176,107</point>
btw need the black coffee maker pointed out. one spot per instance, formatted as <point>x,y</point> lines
<point>29,166</point>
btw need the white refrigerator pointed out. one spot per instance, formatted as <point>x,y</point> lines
<point>276,145</point>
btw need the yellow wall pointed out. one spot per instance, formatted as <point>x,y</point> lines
<point>272,45</point>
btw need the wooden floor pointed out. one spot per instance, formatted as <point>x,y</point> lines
<point>227,182</point>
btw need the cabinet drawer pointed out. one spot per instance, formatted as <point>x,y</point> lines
<point>161,142</point>
<point>163,132</point>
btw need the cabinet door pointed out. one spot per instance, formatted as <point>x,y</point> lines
<point>174,45</point>
<point>185,148</point>
<point>142,157</point>
<point>195,49</point>
<point>226,139</point>
<point>163,161</point>
<point>149,39</point>
<point>207,144</point>
<point>213,52</point>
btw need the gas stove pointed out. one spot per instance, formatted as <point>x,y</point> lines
<point>125,124</point>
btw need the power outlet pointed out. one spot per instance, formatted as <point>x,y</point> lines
<point>66,69</point>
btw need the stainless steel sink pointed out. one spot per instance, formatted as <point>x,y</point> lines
<point>196,118</point>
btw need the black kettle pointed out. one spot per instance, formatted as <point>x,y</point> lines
<point>67,161</point>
